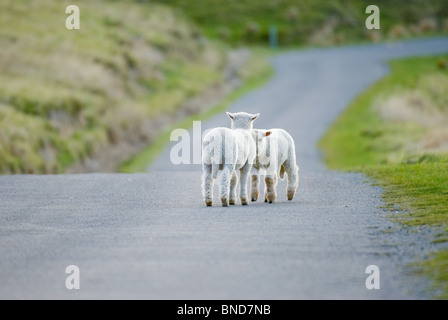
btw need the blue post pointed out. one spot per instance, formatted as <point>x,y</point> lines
<point>273,41</point>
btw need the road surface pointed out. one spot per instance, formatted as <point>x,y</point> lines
<point>149,235</point>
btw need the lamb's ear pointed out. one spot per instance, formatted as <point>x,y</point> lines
<point>267,133</point>
<point>255,116</point>
<point>230,115</point>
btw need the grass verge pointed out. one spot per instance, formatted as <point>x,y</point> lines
<point>395,133</point>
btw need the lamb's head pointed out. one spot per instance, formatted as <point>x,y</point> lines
<point>242,120</point>
<point>259,136</point>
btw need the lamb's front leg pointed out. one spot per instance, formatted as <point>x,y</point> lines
<point>292,170</point>
<point>271,187</point>
<point>207,184</point>
<point>254,184</point>
<point>244,175</point>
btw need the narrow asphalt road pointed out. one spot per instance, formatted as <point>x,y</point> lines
<point>149,236</point>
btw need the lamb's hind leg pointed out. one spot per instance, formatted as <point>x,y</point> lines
<point>207,184</point>
<point>233,183</point>
<point>244,175</point>
<point>271,188</point>
<point>254,184</point>
<point>224,189</point>
<point>292,171</point>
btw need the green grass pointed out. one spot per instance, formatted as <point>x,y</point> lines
<point>420,189</point>
<point>402,153</point>
<point>316,22</point>
<point>254,75</point>
<point>436,268</point>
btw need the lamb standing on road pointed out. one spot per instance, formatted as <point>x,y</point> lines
<point>276,154</point>
<point>228,150</point>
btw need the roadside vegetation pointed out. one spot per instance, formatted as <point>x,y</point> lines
<point>312,22</point>
<point>397,133</point>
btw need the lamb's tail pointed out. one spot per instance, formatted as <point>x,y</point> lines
<point>281,174</point>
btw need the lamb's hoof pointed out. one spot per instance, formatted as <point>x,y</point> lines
<point>244,202</point>
<point>253,199</point>
<point>270,201</point>
<point>232,202</point>
<point>265,200</point>
<point>208,203</point>
<point>290,195</point>
<point>224,202</point>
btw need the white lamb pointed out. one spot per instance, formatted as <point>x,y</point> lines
<point>275,154</point>
<point>228,150</point>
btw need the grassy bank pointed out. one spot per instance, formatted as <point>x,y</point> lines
<point>67,95</point>
<point>396,133</point>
